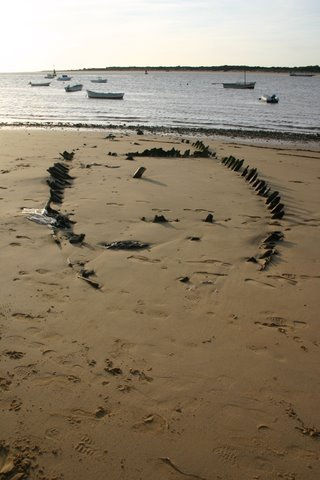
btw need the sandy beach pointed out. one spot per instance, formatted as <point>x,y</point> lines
<point>187,360</point>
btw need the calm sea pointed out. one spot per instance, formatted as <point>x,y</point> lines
<point>167,99</point>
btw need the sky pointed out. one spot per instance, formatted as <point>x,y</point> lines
<point>39,34</point>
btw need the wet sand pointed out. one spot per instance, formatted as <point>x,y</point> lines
<point>189,361</point>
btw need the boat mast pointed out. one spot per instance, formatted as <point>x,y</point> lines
<point>245,77</point>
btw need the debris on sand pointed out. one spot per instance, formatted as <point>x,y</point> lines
<point>177,469</point>
<point>67,155</point>
<point>160,219</point>
<point>209,218</point>
<point>173,153</point>
<point>93,283</point>
<point>194,239</point>
<point>111,369</point>
<point>184,279</point>
<point>125,245</point>
<point>269,246</point>
<point>272,239</point>
<point>76,238</point>
<point>138,173</point>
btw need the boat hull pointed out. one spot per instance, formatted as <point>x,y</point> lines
<point>64,79</point>
<point>101,80</point>
<point>73,88</point>
<point>41,84</point>
<point>301,75</point>
<point>106,96</point>
<point>240,85</point>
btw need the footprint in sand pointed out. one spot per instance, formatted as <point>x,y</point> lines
<point>42,271</point>
<point>26,315</point>
<point>275,322</point>
<point>5,383</point>
<point>15,405</point>
<point>284,326</point>
<point>152,423</point>
<point>227,454</point>
<point>14,355</point>
<point>5,309</point>
<point>87,447</point>
<point>120,346</point>
<point>26,371</point>
<point>52,433</point>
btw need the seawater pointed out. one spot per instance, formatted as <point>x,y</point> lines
<point>166,99</point>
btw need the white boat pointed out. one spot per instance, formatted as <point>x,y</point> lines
<point>269,98</point>
<point>51,75</point>
<point>240,85</point>
<point>106,95</point>
<point>99,80</point>
<point>64,78</point>
<point>39,84</point>
<point>73,88</point>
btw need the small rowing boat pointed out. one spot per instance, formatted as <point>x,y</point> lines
<point>64,78</point>
<point>73,88</point>
<point>105,95</point>
<point>99,80</point>
<point>39,84</point>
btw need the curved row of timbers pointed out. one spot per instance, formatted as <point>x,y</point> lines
<point>60,179</point>
<point>272,201</point>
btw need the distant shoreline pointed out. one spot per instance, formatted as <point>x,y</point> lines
<point>311,69</point>
<point>308,69</point>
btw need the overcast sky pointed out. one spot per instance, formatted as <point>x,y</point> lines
<point>40,34</point>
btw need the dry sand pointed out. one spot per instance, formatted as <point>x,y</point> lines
<point>150,377</point>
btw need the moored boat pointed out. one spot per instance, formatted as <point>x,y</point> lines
<point>64,78</point>
<point>105,95</point>
<point>73,88</point>
<point>51,75</point>
<point>99,80</point>
<point>240,85</point>
<point>269,98</point>
<point>39,84</point>
<point>301,74</point>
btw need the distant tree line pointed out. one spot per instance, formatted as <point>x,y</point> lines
<point>219,68</point>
